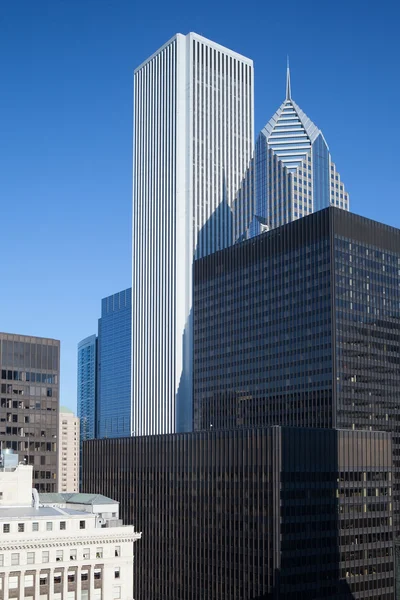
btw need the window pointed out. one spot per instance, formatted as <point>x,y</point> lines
<point>57,578</point>
<point>6,528</point>
<point>99,552</point>
<point>86,553</point>
<point>21,527</point>
<point>63,525</point>
<point>1,495</point>
<point>72,555</point>
<point>13,582</point>
<point>117,551</point>
<point>82,524</point>
<point>117,591</point>
<point>97,573</point>
<point>59,555</point>
<point>30,558</point>
<point>28,580</point>
<point>84,575</point>
<point>43,579</point>
<point>1,560</point>
<point>49,526</point>
<point>45,556</point>
<point>117,573</point>
<point>35,526</point>
<point>71,577</point>
<point>15,559</point>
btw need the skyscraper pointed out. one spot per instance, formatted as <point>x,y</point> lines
<point>293,169</point>
<point>193,142</point>
<point>114,366</point>
<point>87,387</point>
<point>30,379</point>
<point>300,326</point>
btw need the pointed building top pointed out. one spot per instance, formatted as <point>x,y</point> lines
<point>288,90</point>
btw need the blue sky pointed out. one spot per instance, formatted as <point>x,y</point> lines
<point>66,72</point>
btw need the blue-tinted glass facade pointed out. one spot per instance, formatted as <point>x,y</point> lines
<point>87,387</point>
<point>114,366</point>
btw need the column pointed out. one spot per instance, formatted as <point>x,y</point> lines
<point>21,594</point>
<point>78,581</point>
<point>6,585</point>
<point>37,584</point>
<point>51,582</point>
<point>91,582</point>
<point>65,583</point>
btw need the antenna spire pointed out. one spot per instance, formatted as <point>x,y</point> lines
<point>288,90</point>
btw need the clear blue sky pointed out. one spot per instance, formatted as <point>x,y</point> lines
<point>66,71</point>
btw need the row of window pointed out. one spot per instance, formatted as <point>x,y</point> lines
<point>35,526</point>
<point>32,557</point>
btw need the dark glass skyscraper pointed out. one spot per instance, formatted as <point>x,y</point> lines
<point>253,514</point>
<point>29,412</point>
<point>114,366</point>
<point>301,326</point>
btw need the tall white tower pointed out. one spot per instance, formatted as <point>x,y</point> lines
<point>193,141</point>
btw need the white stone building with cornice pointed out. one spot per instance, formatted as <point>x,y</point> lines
<point>61,546</point>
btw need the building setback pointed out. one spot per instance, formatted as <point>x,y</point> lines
<point>301,326</point>
<point>193,141</point>
<point>29,405</point>
<point>260,513</point>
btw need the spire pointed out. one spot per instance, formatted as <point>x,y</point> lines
<point>288,91</point>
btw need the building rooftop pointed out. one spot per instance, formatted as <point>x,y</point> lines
<point>88,499</point>
<point>43,512</point>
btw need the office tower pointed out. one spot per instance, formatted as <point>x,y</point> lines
<point>300,326</point>
<point>87,387</point>
<point>294,171</point>
<point>193,141</point>
<point>68,453</point>
<point>114,366</point>
<point>30,378</point>
<point>256,513</point>
<point>55,546</point>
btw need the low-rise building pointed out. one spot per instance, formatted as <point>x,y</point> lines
<point>61,546</point>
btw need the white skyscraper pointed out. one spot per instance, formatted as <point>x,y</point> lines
<point>193,141</point>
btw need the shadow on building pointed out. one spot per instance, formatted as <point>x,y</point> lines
<point>216,234</point>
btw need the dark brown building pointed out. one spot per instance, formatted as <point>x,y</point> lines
<point>246,514</point>
<point>29,403</point>
<point>300,327</point>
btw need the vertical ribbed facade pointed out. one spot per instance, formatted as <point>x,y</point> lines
<point>193,136</point>
<point>254,514</point>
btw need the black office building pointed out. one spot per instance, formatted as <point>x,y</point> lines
<point>300,326</point>
<point>260,513</point>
